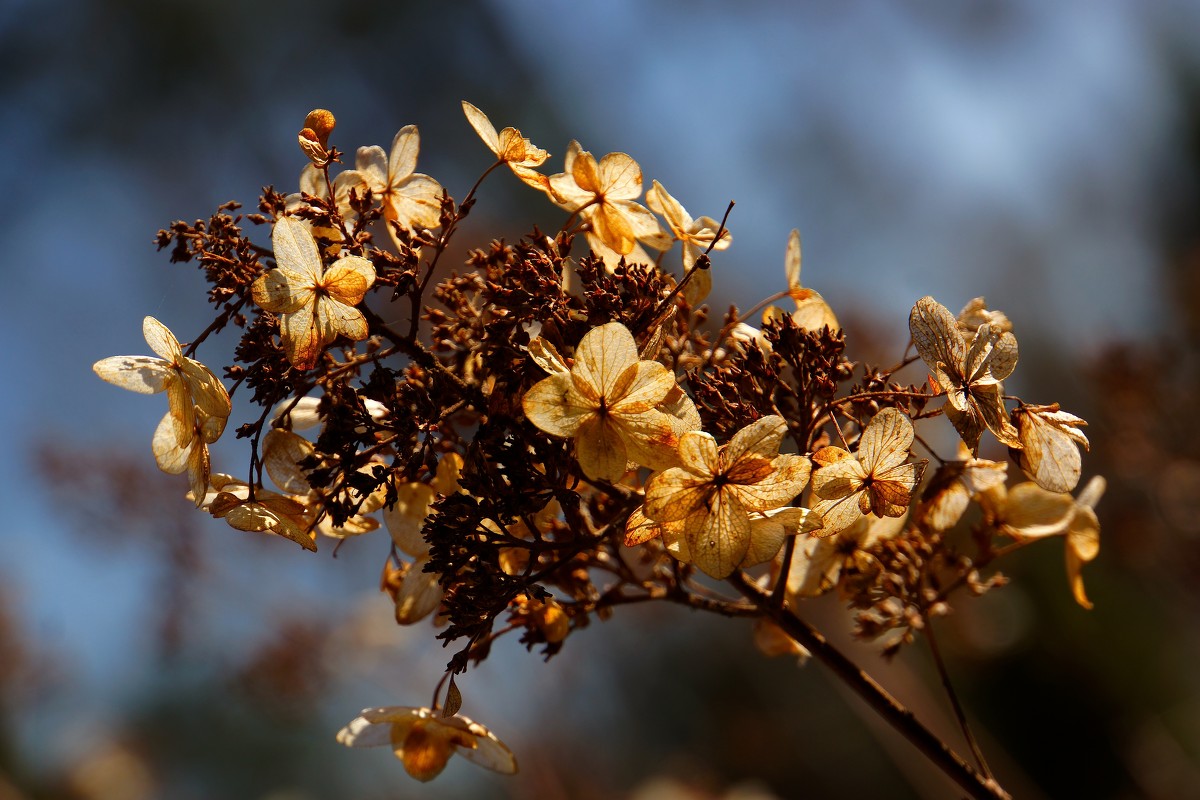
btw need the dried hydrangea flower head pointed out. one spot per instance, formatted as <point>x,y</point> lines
<point>315,305</point>
<point>424,740</point>
<point>409,199</point>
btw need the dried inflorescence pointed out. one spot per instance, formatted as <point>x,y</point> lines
<point>545,435</point>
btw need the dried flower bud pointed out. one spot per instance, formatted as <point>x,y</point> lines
<point>321,123</point>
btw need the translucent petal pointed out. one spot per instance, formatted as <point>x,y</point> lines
<point>791,260</point>
<point>406,518</point>
<point>208,392</point>
<point>600,449</point>
<point>603,354</point>
<point>620,177</point>
<point>662,203</point>
<point>281,453</point>
<point>769,531</point>
<point>676,493</point>
<point>141,374</point>
<point>349,278</point>
<point>402,161</point>
<point>546,356</point>
<point>642,224</point>
<point>935,334</point>
<point>886,440</point>
<point>784,479</point>
<point>547,405</point>
<point>295,249</point>
<point>420,594</point>
<point>759,439</point>
<point>161,340</point>
<point>837,514</point>
<point>283,291</point>
<point>718,540</point>
<point>170,456</point>
<point>301,338</point>
<point>1033,512</point>
<point>416,202</point>
<point>482,126</point>
<point>839,479</point>
<point>335,317</point>
<point>641,387</point>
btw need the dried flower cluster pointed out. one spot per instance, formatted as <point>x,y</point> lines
<point>551,433</point>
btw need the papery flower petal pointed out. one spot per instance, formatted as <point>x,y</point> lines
<point>719,539</point>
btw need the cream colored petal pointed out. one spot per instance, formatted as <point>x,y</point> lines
<point>759,439</point>
<point>1050,447</point>
<point>566,193</point>
<point>406,519</point>
<point>699,286</point>
<point>416,202</point>
<point>603,354</point>
<point>161,340</point>
<point>676,493</point>
<point>620,177</point>
<point>640,529</point>
<point>546,356</point>
<point>182,411</point>
<point>198,470</point>
<point>402,161</point>
<point>282,291</point>
<point>141,374</point>
<point>296,250</point>
<point>449,470</point>
<point>482,126</point>
<point>839,479</point>
<point>312,181</point>
<point>371,164</point>
<point>699,453</point>
<point>548,405</point>
<point>662,203</point>
<point>816,566</point>
<point>170,456</point>
<point>600,449</point>
<point>813,313</point>
<point>787,478</point>
<point>302,415</point>
<point>649,437</point>
<point>208,392</point>
<point>886,440</point>
<point>641,387</point>
<point>487,750</point>
<point>837,514</point>
<point>718,540</point>
<point>643,224</point>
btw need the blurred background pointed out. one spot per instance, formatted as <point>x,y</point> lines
<point>1045,155</point>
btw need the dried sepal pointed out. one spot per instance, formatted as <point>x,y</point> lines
<point>1050,442</point>
<point>509,146</point>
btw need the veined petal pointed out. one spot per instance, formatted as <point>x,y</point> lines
<point>643,224</point>
<point>759,439</point>
<point>620,177</point>
<point>642,386</point>
<point>769,531</point>
<point>935,334</point>
<point>141,374</point>
<point>483,127</point>
<point>719,540</point>
<point>296,250</point>
<point>406,518</point>
<point>420,594</point>
<point>547,406</point>
<point>839,479</point>
<point>349,278</point>
<point>649,438</point>
<point>661,202</point>
<point>371,163</point>
<point>402,161</point>
<point>603,354</point>
<point>613,228</point>
<point>787,477</point>
<point>301,338</point>
<point>416,202</point>
<point>282,452</point>
<point>169,454</point>
<point>600,449</point>
<point>676,493</point>
<point>283,291</point>
<point>336,318</point>
<point>699,453</point>
<point>161,340</point>
<point>208,392</point>
<point>886,440</point>
<point>837,514</point>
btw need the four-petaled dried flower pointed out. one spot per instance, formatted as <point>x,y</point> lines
<point>607,403</point>
<point>198,405</point>
<point>509,146</point>
<point>874,480</point>
<point>424,740</point>
<point>970,378</point>
<point>716,489</point>
<point>268,512</point>
<point>605,194</point>
<point>697,235</point>
<point>410,199</point>
<point>812,312</point>
<point>314,305</point>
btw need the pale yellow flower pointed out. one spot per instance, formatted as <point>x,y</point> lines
<point>314,305</point>
<point>509,146</point>
<point>607,404</point>
<point>424,740</point>
<point>969,377</point>
<point>605,194</point>
<point>716,489</point>
<point>696,236</point>
<point>817,563</point>
<point>812,312</point>
<point>409,199</point>
<point>874,480</point>
<point>188,383</point>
